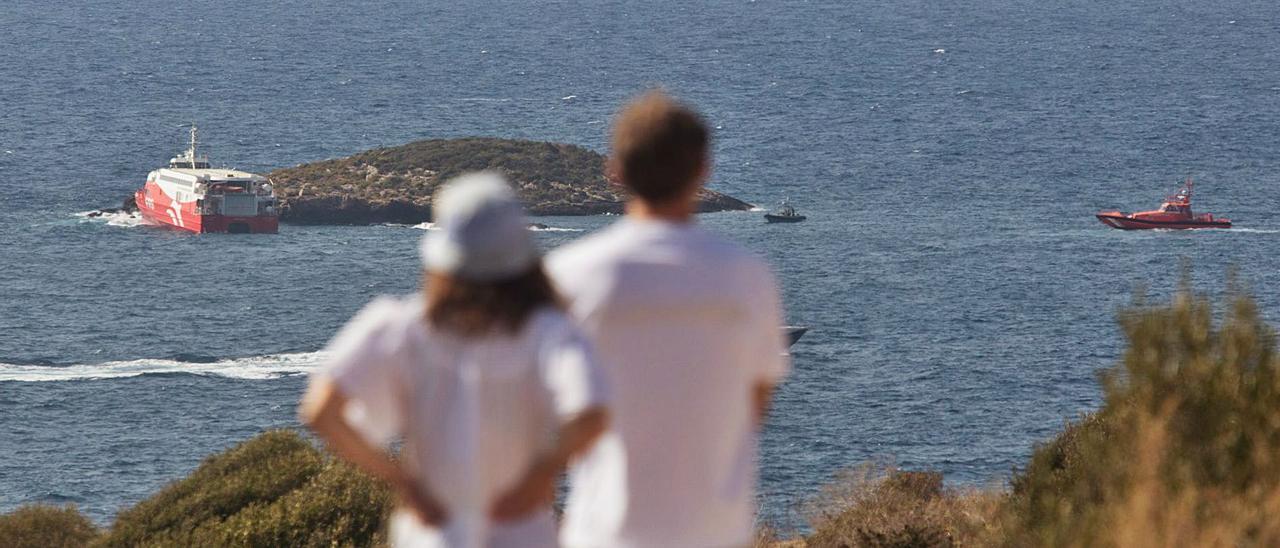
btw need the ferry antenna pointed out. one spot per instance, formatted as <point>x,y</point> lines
<point>193,144</point>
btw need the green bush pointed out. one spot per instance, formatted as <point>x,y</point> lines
<point>338,507</point>
<point>276,489</point>
<point>45,526</point>
<point>1183,451</point>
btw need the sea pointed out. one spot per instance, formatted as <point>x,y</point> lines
<point>950,157</point>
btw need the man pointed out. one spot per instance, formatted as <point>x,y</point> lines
<point>687,329</point>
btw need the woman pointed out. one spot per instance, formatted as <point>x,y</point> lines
<point>486,381</point>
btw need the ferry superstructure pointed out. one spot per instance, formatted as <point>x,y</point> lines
<point>193,196</point>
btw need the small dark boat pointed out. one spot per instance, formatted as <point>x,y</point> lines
<point>784,214</point>
<point>794,332</point>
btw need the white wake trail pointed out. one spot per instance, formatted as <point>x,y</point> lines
<point>1253,230</point>
<point>534,228</point>
<point>254,367</point>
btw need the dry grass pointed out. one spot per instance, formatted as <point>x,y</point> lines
<point>44,526</point>
<point>1183,452</point>
<point>880,506</point>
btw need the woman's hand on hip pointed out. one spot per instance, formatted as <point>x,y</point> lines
<point>534,491</point>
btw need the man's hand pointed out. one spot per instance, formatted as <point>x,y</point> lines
<point>537,489</point>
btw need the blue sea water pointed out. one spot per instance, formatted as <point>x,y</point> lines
<point>949,156</point>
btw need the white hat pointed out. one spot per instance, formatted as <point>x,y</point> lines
<point>483,234</point>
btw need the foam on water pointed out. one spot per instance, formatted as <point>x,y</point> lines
<point>255,367</point>
<point>1253,230</point>
<point>112,218</point>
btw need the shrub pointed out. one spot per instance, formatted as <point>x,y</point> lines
<point>276,489</point>
<point>45,526</point>
<point>1183,450</point>
<point>338,507</point>
<point>882,507</point>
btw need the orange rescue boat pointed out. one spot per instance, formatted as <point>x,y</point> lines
<point>1174,213</point>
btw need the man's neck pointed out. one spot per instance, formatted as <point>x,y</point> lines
<point>676,212</point>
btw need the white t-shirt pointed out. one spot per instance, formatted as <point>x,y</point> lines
<point>472,412</point>
<point>685,324</point>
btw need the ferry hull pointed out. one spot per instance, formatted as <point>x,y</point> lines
<point>157,210</point>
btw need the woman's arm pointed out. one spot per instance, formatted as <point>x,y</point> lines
<point>321,410</point>
<point>537,489</point>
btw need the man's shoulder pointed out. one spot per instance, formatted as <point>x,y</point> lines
<point>613,245</point>
<point>727,256</point>
<point>721,247</point>
<point>594,249</point>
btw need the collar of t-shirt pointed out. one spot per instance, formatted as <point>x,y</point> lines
<point>656,226</point>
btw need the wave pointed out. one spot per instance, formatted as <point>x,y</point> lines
<point>111,218</point>
<point>1253,230</point>
<point>271,366</point>
<point>535,228</point>
<point>553,229</point>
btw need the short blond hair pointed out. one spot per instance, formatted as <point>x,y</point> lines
<point>660,147</point>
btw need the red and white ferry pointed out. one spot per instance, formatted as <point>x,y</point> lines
<point>191,195</point>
